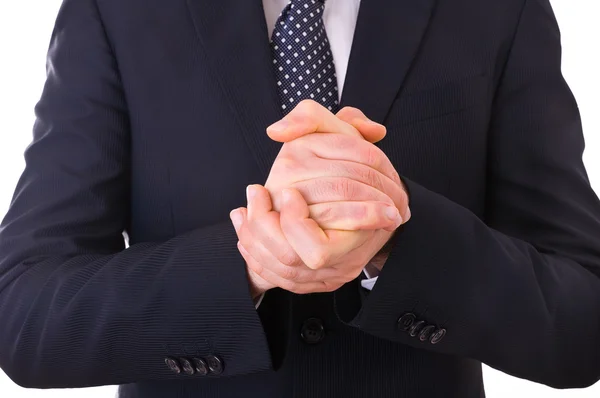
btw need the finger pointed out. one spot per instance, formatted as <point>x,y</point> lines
<point>259,201</point>
<point>273,278</point>
<point>237,217</point>
<point>308,240</point>
<point>267,231</point>
<point>249,242</point>
<point>269,246</point>
<point>337,189</point>
<point>296,274</point>
<point>352,149</point>
<point>357,172</point>
<point>306,231</point>
<point>266,241</point>
<point>370,130</point>
<point>354,216</point>
<point>306,118</point>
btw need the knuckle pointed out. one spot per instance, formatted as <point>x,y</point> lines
<point>355,274</point>
<point>319,260</point>
<point>356,215</point>
<point>348,112</point>
<point>396,178</point>
<point>370,176</point>
<point>285,165</point>
<point>306,107</point>
<point>372,155</point>
<point>348,143</point>
<point>341,141</point>
<point>359,213</point>
<point>346,188</point>
<point>322,213</point>
<point>286,162</point>
<point>288,258</point>
<point>289,273</point>
<point>255,228</point>
<point>331,287</point>
<point>255,267</point>
<point>291,286</point>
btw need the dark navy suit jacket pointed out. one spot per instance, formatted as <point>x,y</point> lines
<point>152,121</point>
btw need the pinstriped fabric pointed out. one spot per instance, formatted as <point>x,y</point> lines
<point>152,121</point>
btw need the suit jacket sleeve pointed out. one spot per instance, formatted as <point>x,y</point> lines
<point>519,290</point>
<point>76,308</point>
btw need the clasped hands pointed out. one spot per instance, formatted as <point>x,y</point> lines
<point>331,202</point>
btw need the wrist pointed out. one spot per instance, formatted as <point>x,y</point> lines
<point>256,293</point>
<point>258,286</point>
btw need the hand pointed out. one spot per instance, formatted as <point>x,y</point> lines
<point>329,162</point>
<point>258,285</point>
<point>281,266</point>
<point>327,167</point>
<point>272,261</point>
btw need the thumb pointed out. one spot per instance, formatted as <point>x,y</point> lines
<point>238,218</point>
<point>308,117</point>
<point>370,130</point>
<point>259,201</point>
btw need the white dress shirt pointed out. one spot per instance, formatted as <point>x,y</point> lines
<point>339,18</point>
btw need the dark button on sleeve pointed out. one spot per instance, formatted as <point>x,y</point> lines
<point>406,321</point>
<point>426,332</point>
<point>215,364</point>
<point>187,366</point>
<point>201,366</point>
<point>438,336</point>
<point>416,328</point>
<point>312,331</point>
<point>173,364</point>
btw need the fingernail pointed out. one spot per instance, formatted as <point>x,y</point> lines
<point>250,192</point>
<point>279,127</point>
<point>393,214</point>
<point>236,219</point>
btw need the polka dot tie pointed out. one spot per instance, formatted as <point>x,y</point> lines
<point>302,57</point>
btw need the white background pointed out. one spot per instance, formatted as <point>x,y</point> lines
<point>25,28</point>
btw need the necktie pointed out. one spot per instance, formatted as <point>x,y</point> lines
<point>302,57</point>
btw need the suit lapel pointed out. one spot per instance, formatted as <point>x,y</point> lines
<point>234,36</point>
<point>387,37</point>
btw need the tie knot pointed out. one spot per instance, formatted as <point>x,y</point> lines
<point>307,4</point>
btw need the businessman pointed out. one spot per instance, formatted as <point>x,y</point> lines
<point>321,199</point>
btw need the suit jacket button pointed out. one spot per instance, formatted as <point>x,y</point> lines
<point>426,333</point>
<point>437,336</point>
<point>406,321</point>
<point>312,331</point>
<point>187,366</point>
<point>416,328</point>
<point>173,365</point>
<point>215,364</point>
<point>201,366</point>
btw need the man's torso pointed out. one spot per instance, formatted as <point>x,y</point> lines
<point>200,92</point>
